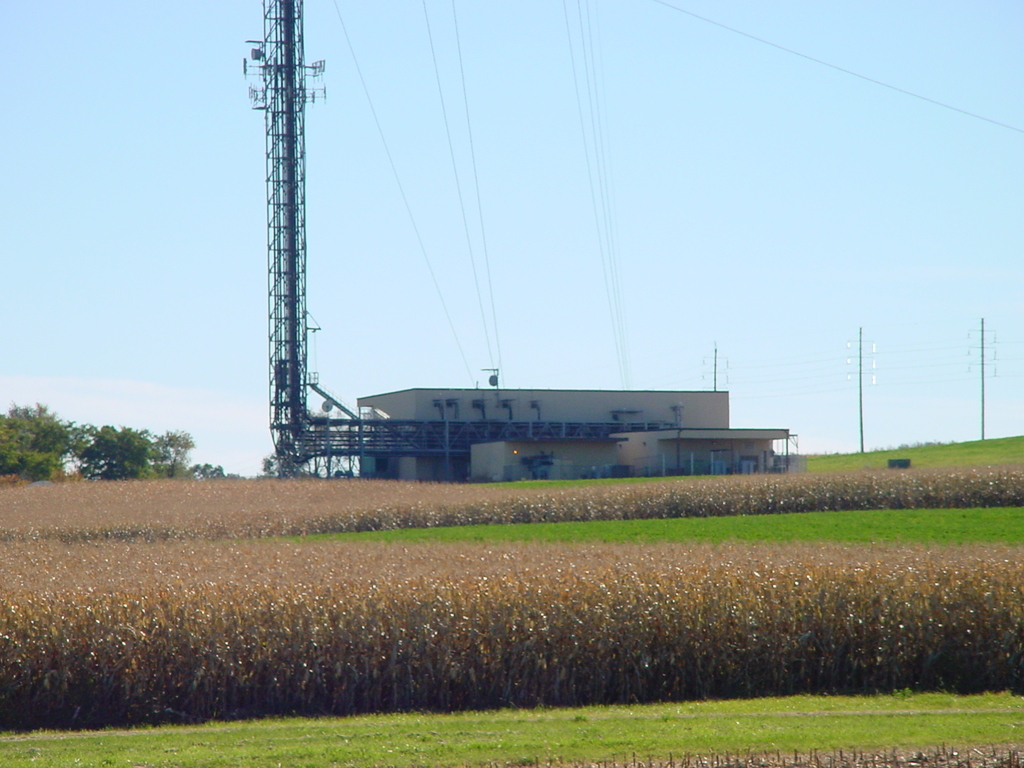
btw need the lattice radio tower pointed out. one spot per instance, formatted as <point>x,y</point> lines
<point>282,95</point>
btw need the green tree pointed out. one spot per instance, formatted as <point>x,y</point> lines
<point>270,467</point>
<point>30,465</point>
<point>282,466</point>
<point>81,437</point>
<point>40,429</point>
<point>117,454</point>
<point>171,452</point>
<point>207,472</point>
<point>34,443</point>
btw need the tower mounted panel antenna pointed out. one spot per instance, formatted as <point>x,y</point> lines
<point>282,95</point>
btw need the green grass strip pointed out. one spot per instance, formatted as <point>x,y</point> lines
<point>1003,450</point>
<point>536,736</point>
<point>932,526</point>
<point>974,453</point>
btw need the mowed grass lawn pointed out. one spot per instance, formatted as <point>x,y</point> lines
<point>536,737</point>
<point>929,526</point>
<point>1003,450</point>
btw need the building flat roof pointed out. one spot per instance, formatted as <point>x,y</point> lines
<point>482,390</point>
<point>682,433</point>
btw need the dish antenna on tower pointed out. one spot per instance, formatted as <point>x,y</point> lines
<point>282,94</point>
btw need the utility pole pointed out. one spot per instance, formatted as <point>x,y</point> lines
<point>860,379</point>
<point>983,378</point>
<point>986,347</point>
<point>714,369</point>
<point>860,383</point>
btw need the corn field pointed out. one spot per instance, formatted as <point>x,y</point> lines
<point>158,510</point>
<point>110,633</point>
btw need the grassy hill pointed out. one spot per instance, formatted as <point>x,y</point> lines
<point>1004,450</point>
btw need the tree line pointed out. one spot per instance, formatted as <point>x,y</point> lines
<point>36,444</point>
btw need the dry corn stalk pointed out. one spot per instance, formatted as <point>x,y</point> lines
<point>329,629</point>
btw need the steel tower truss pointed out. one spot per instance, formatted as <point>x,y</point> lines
<point>322,443</point>
<point>282,96</point>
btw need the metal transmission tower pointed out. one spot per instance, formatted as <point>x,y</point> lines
<point>337,440</point>
<point>282,96</point>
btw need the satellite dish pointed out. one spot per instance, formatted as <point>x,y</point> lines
<point>493,381</point>
<point>327,407</point>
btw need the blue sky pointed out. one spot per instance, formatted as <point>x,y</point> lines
<point>754,200</point>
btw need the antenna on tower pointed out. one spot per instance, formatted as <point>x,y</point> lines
<point>282,93</point>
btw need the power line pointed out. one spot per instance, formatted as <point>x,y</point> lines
<point>458,186</point>
<point>740,380</point>
<point>949,379</point>
<point>928,346</point>
<point>604,174</point>
<point>838,68</point>
<point>596,167</point>
<point>476,183</point>
<point>951,364</point>
<point>810,358</point>
<point>910,365</point>
<point>790,393</point>
<point>401,189</point>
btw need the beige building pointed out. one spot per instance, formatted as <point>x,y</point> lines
<point>706,410</point>
<point>498,434</point>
